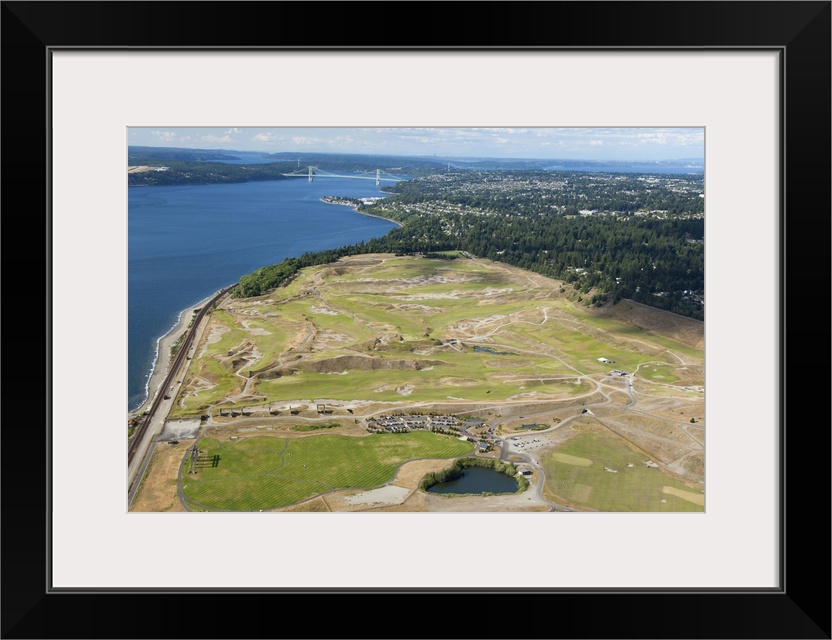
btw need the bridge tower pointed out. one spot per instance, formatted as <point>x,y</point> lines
<point>378,177</point>
<point>310,173</point>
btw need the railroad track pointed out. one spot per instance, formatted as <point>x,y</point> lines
<point>141,430</point>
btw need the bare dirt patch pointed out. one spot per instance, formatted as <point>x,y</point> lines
<point>663,323</point>
<point>514,502</point>
<point>691,466</point>
<point>158,491</point>
<point>315,505</point>
<point>383,496</point>
<point>666,429</point>
<point>674,408</point>
<point>660,449</point>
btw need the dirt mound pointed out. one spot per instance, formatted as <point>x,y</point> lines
<point>275,370</point>
<point>238,363</point>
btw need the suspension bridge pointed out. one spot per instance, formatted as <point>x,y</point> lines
<point>315,172</point>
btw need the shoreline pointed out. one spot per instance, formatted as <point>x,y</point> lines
<point>372,215</point>
<point>362,213</point>
<point>161,363</point>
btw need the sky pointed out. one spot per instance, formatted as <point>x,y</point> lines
<point>626,144</point>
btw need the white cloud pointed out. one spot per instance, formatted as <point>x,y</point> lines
<point>305,141</point>
<point>631,143</point>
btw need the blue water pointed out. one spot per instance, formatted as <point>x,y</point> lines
<point>246,157</point>
<point>477,480</point>
<point>187,242</point>
<point>487,350</point>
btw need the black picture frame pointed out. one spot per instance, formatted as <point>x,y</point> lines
<point>799,31</point>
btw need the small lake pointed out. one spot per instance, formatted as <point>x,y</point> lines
<point>487,350</point>
<point>478,480</point>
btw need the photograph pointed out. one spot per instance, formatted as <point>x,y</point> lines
<point>357,276</point>
<point>416,319</point>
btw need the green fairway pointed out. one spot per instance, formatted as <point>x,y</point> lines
<point>463,377</point>
<point>658,373</point>
<point>636,488</point>
<point>266,473</point>
<point>402,329</point>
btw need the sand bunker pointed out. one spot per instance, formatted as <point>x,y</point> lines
<point>213,337</point>
<point>255,331</point>
<point>324,310</point>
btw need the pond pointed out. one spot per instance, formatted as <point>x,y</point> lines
<point>478,480</point>
<point>487,350</point>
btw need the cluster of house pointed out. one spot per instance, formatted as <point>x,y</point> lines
<point>410,422</point>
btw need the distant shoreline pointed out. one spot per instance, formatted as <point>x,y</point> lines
<point>369,215</point>
<point>372,215</point>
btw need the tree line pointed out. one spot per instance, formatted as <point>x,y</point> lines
<point>656,259</point>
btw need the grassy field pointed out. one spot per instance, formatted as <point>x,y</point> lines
<point>268,472</point>
<point>576,473</point>
<point>411,309</point>
<point>466,374</point>
<point>658,373</point>
<point>383,334</point>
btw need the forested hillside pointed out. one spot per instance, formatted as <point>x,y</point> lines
<point>610,236</point>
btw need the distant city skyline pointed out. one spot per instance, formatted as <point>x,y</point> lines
<point>602,143</point>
